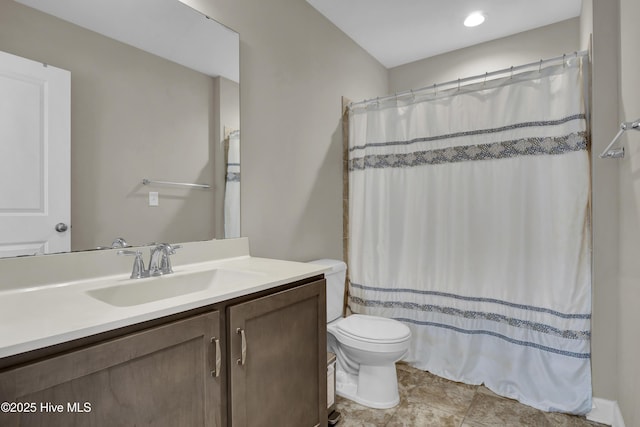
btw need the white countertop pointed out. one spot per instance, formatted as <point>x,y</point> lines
<point>44,315</point>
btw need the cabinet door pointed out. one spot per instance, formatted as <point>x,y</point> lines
<point>157,377</point>
<point>282,377</point>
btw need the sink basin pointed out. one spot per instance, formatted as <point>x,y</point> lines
<point>141,291</point>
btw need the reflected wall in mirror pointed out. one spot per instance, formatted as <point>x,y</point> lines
<point>137,115</point>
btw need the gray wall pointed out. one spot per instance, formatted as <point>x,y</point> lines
<point>603,19</point>
<point>133,115</point>
<point>629,224</point>
<point>522,48</point>
<point>294,67</point>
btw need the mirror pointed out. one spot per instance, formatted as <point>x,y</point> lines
<point>154,95</point>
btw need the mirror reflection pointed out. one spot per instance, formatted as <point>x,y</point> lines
<point>133,115</point>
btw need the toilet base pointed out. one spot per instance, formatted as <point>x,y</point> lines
<point>374,386</point>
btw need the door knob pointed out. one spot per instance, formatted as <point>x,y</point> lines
<point>61,227</point>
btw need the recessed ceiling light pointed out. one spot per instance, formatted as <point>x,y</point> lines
<point>474,19</point>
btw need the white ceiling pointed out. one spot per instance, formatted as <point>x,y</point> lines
<point>397,32</point>
<point>167,28</point>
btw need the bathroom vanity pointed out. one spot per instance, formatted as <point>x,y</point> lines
<point>249,351</point>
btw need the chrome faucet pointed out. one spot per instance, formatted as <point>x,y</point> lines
<point>118,242</point>
<point>159,262</point>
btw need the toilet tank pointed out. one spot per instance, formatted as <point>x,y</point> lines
<point>335,286</point>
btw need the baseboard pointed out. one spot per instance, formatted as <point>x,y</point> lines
<point>606,412</point>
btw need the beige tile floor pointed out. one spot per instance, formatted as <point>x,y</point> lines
<point>428,400</point>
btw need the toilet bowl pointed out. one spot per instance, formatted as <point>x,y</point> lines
<point>366,347</point>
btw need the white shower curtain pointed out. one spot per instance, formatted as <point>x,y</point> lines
<point>232,187</point>
<point>468,222</point>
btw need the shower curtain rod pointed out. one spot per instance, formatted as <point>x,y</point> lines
<point>434,86</point>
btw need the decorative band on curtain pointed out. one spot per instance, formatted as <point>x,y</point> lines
<point>468,221</point>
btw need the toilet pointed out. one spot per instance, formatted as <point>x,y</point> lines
<point>366,347</point>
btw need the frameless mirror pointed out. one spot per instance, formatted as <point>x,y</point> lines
<point>154,94</point>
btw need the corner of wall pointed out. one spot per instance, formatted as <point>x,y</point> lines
<point>606,198</point>
<point>586,24</point>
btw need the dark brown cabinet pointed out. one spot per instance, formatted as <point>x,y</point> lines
<point>186,370</point>
<point>157,377</point>
<point>278,359</point>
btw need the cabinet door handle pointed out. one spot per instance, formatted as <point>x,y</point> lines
<point>243,357</point>
<point>216,372</point>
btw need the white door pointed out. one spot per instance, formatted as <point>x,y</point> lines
<point>35,120</point>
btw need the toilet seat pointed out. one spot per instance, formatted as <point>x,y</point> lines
<point>371,333</point>
<point>373,329</point>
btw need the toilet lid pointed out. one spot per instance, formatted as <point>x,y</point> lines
<point>373,328</point>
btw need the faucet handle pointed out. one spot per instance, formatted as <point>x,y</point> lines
<point>172,248</point>
<point>165,261</point>
<point>119,242</point>
<point>138,270</point>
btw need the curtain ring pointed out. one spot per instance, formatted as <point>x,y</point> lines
<point>435,89</point>
<point>413,95</point>
<point>540,67</point>
<point>564,57</point>
<point>511,72</point>
<point>458,83</point>
<point>485,78</point>
<point>371,103</point>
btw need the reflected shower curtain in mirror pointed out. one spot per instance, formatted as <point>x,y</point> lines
<point>468,222</point>
<point>232,187</point>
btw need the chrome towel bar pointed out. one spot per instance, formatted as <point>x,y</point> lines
<point>146,181</point>
<point>618,153</point>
